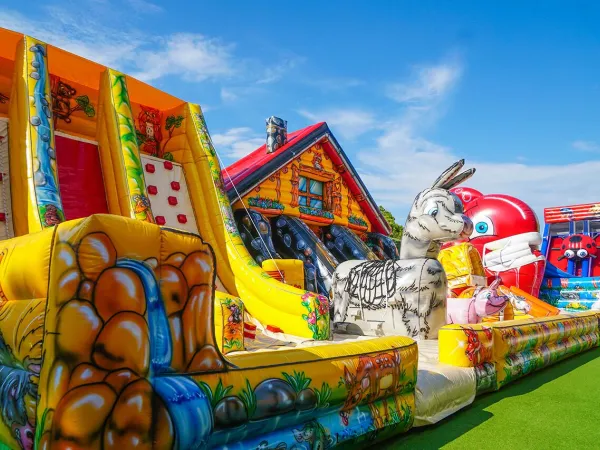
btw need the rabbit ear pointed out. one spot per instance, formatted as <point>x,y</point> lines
<point>495,283</point>
<point>455,181</point>
<point>448,174</point>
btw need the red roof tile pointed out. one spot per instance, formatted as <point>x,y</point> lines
<point>259,157</point>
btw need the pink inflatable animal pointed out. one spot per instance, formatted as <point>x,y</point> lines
<point>485,302</point>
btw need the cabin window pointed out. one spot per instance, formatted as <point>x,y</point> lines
<point>311,193</point>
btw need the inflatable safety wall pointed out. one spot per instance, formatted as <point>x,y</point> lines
<point>505,351</point>
<point>123,312</point>
<point>128,304</point>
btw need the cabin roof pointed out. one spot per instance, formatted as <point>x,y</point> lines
<point>244,175</point>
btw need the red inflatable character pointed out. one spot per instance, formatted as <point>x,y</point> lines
<point>506,233</point>
<point>578,247</point>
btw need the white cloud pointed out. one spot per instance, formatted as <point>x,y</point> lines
<point>194,57</point>
<point>228,95</point>
<point>403,162</point>
<point>586,146</point>
<point>236,143</point>
<point>90,29</point>
<point>145,6</point>
<point>275,73</point>
<point>348,123</point>
<point>428,83</point>
<point>418,162</point>
<point>84,36</point>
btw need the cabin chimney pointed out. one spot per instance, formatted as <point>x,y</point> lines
<point>276,133</point>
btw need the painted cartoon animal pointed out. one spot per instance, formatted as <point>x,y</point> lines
<point>264,445</point>
<point>578,247</point>
<point>475,350</point>
<point>236,314</point>
<point>520,304</point>
<point>314,435</point>
<point>141,204</point>
<point>15,384</point>
<point>512,336</point>
<point>366,383</point>
<point>485,302</point>
<point>51,216</point>
<point>415,286</point>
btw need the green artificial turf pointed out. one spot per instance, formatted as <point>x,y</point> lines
<point>556,408</point>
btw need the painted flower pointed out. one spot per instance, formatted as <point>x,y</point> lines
<point>323,305</point>
<point>323,309</point>
<point>312,318</point>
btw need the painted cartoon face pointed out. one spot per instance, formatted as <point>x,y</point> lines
<point>578,247</point>
<point>567,213</point>
<point>149,130</point>
<point>499,216</point>
<point>501,225</point>
<point>437,216</point>
<point>24,435</point>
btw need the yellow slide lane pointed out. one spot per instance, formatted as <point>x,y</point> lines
<point>294,311</point>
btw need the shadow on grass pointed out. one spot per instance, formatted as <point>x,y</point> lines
<point>436,436</point>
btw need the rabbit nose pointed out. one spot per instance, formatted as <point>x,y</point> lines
<point>467,227</point>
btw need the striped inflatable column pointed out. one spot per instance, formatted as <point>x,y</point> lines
<point>121,162</point>
<point>36,195</point>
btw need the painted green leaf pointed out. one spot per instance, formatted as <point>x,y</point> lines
<point>173,122</point>
<point>249,399</point>
<point>40,429</point>
<point>89,110</point>
<point>141,138</point>
<point>83,101</point>
<point>128,137</point>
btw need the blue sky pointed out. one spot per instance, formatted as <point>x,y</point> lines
<point>406,87</point>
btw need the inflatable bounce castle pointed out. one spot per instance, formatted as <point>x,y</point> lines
<point>133,315</point>
<point>571,238</point>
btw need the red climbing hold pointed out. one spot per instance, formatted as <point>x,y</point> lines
<point>152,190</point>
<point>175,185</point>
<point>181,218</point>
<point>150,168</point>
<point>160,220</point>
<point>168,165</point>
<point>172,200</point>
<point>2,217</point>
